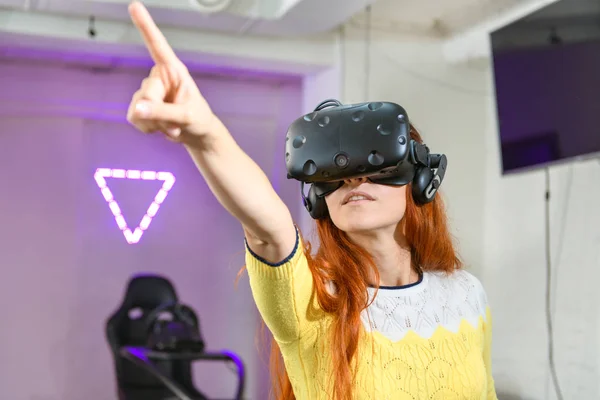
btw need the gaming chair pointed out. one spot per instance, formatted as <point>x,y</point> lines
<point>143,294</point>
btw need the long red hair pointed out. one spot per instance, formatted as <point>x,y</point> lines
<point>349,266</point>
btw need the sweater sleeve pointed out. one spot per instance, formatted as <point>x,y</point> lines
<point>282,292</point>
<point>487,355</point>
<point>484,309</point>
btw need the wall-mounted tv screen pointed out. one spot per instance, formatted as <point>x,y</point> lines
<point>547,83</point>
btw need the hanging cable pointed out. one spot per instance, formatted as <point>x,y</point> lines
<point>368,15</point>
<point>342,60</point>
<point>549,325</point>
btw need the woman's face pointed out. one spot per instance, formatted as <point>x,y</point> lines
<point>360,206</point>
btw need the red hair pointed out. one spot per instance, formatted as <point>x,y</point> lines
<point>349,266</point>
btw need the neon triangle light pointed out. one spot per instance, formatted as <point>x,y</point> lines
<point>134,236</point>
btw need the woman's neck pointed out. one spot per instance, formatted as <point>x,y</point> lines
<point>391,255</point>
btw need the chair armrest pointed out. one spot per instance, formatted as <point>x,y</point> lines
<point>143,357</point>
<point>240,370</point>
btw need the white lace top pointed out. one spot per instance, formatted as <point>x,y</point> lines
<point>437,299</point>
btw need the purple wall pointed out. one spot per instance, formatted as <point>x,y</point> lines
<point>66,263</point>
<point>550,90</point>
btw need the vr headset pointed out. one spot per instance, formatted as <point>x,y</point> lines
<point>338,142</point>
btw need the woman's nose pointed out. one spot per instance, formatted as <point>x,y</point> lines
<point>355,181</point>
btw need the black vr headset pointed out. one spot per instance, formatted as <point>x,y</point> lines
<point>372,140</point>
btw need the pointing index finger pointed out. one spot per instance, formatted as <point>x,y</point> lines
<point>156,43</point>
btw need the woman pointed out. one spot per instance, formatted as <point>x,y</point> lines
<point>382,311</point>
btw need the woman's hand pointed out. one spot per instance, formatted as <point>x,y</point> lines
<point>168,100</point>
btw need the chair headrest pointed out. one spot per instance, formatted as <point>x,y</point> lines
<point>148,291</point>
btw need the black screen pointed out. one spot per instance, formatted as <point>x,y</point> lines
<point>547,81</point>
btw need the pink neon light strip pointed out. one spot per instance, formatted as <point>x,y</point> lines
<point>168,182</point>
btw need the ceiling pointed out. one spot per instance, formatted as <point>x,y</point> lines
<point>193,21</point>
<point>439,18</point>
<point>257,17</point>
<point>284,17</point>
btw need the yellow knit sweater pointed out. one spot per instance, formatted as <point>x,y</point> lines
<point>429,340</point>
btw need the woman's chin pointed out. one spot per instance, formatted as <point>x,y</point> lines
<point>359,223</point>
<point>361,220</point>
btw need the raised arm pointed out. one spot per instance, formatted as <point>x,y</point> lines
<point>170,102</point>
